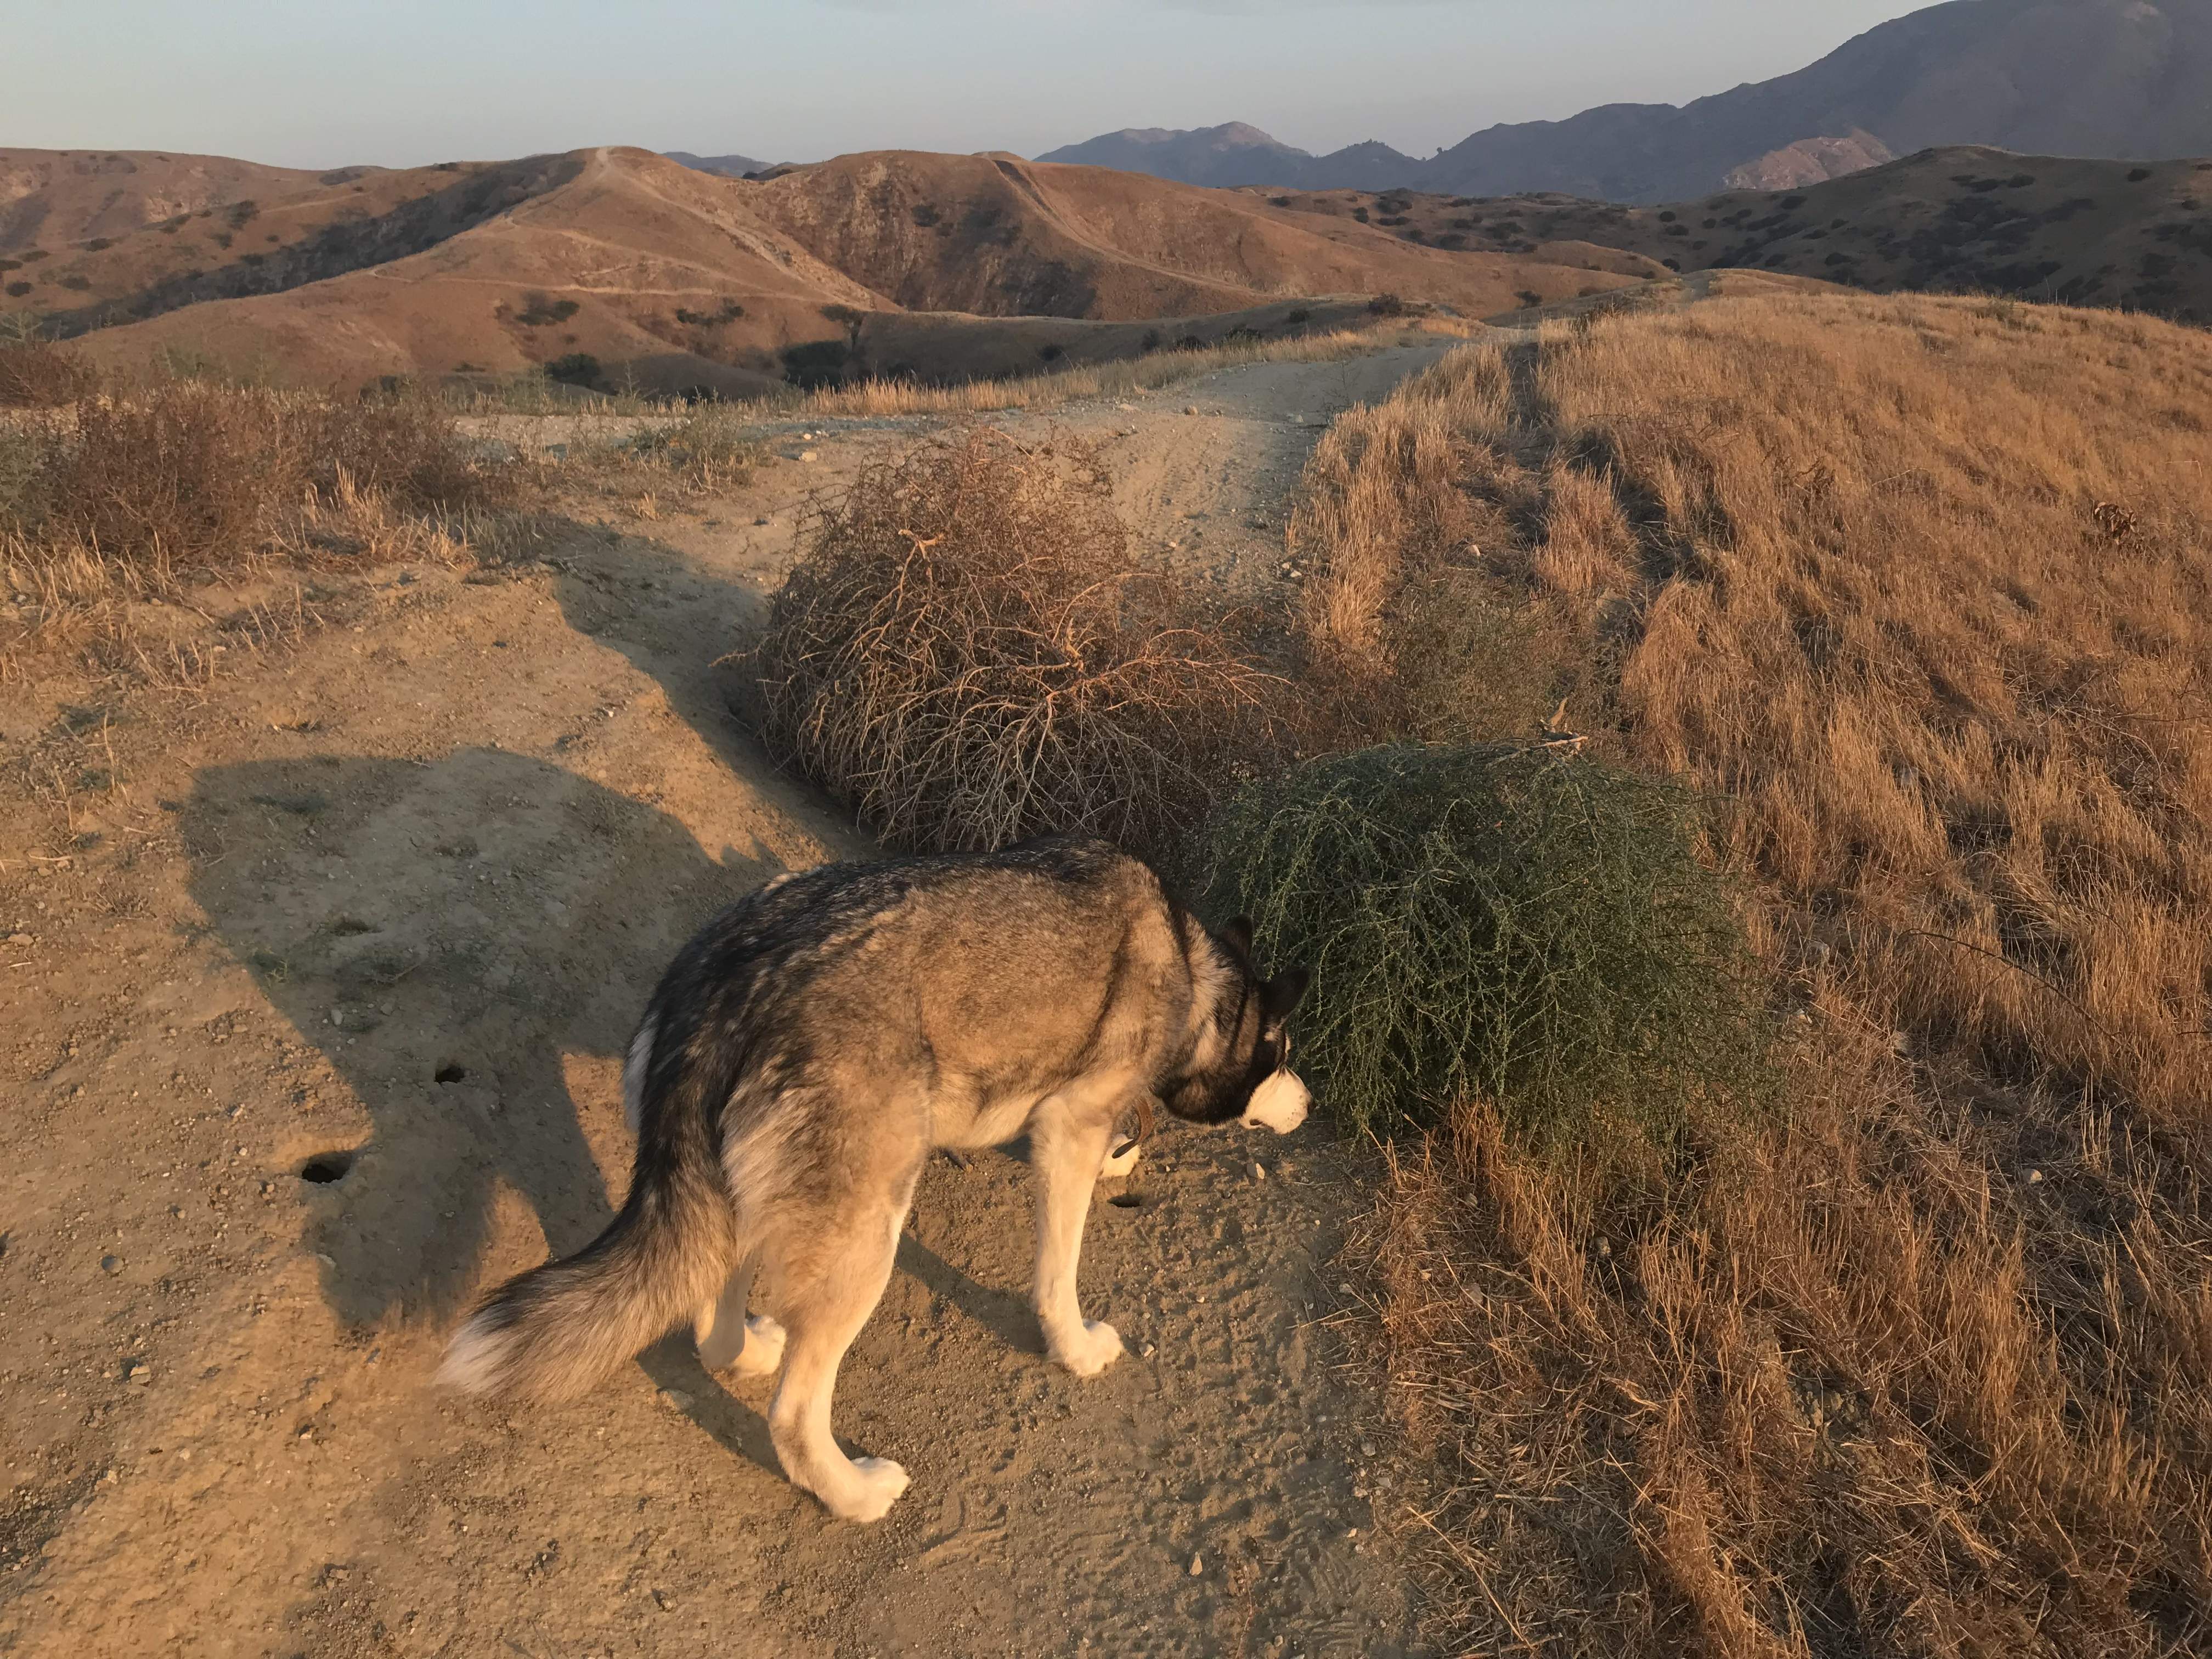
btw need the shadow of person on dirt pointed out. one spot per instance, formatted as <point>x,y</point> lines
<point>453,936</point>
<point>457,937</point>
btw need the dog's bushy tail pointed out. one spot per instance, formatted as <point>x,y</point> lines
<point>551,1333</point>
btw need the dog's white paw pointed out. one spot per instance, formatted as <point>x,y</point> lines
<point>875,1485</point>
<point>1116,1166</point>
<point>762,1353</point>
<point>1085,1352</point>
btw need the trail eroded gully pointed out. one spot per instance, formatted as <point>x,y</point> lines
<point>314,992</point>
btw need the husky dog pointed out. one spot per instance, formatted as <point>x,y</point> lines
<point>805,1053</point>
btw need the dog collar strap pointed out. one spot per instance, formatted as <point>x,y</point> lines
<point>1144,1126</point>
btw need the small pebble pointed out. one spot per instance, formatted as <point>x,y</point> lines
<point>2033,1178</point>
<point>1197,1565</point>
<point>675,1399</point>
<point>808,455</point>
<point>1190,409</point>
<point>1259,1172</point>
<point>111,1264</point>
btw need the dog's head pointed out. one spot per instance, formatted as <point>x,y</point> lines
<point>1240,1065</point>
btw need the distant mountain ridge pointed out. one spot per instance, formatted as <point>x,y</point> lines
<point>2122,79</point>
<point>730,166</point>
<point>1235,154</point>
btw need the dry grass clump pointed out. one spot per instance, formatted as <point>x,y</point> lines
<point>1420,620</point>
<point>1921,594</point>
<point>181,475</point>
<point>36,373</point>
<point>1864,1396</point>
<point>963,653</point>
<point>142,494</point>
<point>407,449</point>
<point>703,451</point>
<point>189,474</point>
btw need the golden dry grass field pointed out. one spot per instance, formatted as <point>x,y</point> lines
<point>1919,591</point>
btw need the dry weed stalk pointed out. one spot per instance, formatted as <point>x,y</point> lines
<point>1926,598</point>
<point>963,655</point>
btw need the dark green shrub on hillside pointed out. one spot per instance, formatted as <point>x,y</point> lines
<point>816,363</point>
<point>729,313</point>
<point>1503,922</point>
<point>576,369</point>
<point>539,310</point>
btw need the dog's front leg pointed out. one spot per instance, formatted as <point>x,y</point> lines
<point>1065,1149</point>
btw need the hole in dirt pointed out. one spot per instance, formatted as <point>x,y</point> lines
<point>1127,1201</point>
<point>324,1168</point>
<point>450,1073</point>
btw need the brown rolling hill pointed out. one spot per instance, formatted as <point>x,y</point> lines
<point>53,199</point>
<point>2137,235</point>
<point>625,266</point>
<point>251,246</point>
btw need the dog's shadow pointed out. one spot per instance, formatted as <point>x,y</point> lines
<point>1005,1314</point>
<point>687,1385</point>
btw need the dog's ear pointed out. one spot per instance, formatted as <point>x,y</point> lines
<point>1284,992</point>
<point>1237,936</point>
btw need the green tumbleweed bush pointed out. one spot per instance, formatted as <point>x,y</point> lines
<point>1502,921</point>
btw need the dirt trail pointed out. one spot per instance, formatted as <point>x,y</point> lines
<point>314,993</point>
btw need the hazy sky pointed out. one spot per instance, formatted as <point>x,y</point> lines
<point>322,82</point>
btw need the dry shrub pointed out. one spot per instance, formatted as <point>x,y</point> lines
<point>1933,1375</point>
<point>703,452</point>
<point>36,373</point>
<point>963,653</point>
<point>187,474</point>
<point>182,474</point>
<point>407,448</point>
<point>130,495</point>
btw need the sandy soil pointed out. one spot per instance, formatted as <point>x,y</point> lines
<point>313,989</point>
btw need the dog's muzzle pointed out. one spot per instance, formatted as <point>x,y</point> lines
<point>1279,1105</point>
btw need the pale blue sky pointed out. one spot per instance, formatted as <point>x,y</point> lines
<point>406,81</point>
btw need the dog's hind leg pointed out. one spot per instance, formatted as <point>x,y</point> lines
<point>728,1339</point>
<point>1067,1148</point>
<point>844,1281</point>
